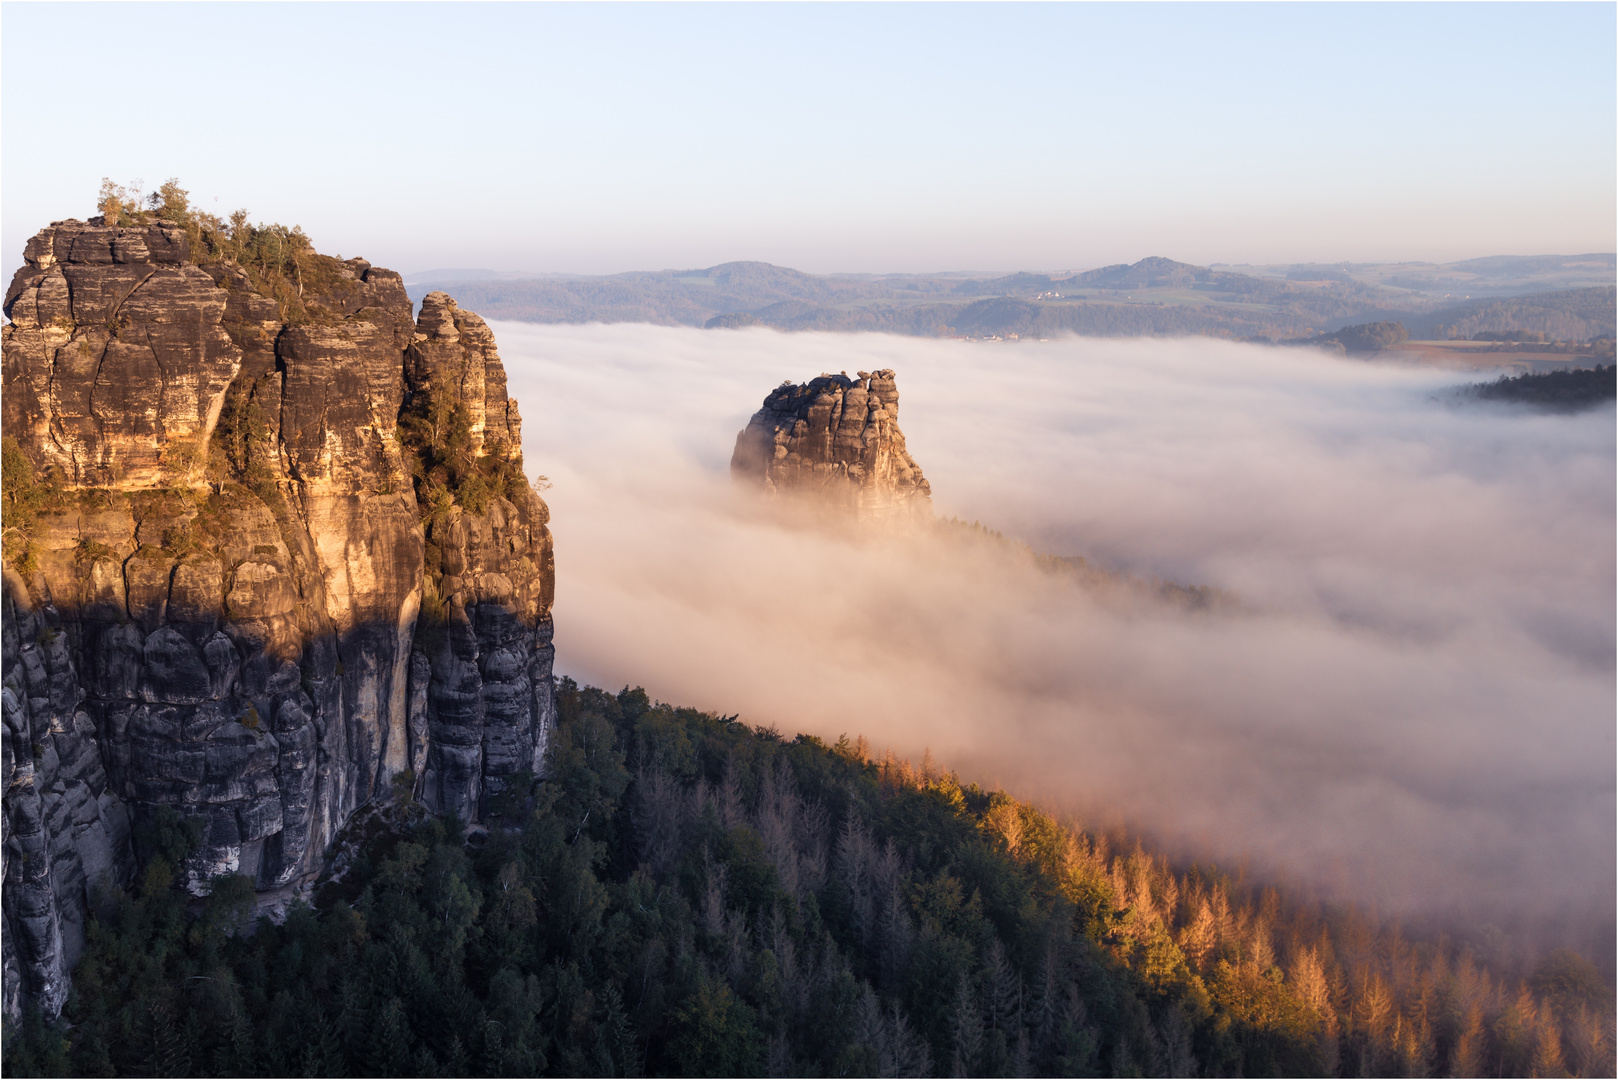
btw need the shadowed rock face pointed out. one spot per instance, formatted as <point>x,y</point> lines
<point>837,440</point>
<point>222,616</point>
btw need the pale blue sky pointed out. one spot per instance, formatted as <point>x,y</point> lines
<point>831,137</point>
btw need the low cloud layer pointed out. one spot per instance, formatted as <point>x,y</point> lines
<point>1414,707</point>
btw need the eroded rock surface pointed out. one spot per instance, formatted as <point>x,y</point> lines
<point>67,843</point>
<point>487,670</point>
<point>220,609</point>
<point>116,355</point>
<point>836,440</point>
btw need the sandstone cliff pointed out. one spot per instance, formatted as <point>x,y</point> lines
<point>270,555</point>
<point>837,440</point>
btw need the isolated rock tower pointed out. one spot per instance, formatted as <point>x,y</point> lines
<point>837,440</point>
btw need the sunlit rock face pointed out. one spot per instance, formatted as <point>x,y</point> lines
<point>116,352</point>
<point>218,613</point>
<point>835,441</point>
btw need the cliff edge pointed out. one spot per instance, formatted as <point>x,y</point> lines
<point>270,555</point>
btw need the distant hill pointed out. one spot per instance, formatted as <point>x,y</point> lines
<point>736,321</point>
<point>1571,315</point>
<point>1150,273</point>
<point>1363,339</point>
<point>1508,274</point>
<point>1319,273</point>
<point>1155,296</point>
<point>1469,279</point>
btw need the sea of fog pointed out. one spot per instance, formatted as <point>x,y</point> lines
<point>1412,707</point>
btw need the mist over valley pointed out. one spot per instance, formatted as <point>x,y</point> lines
<point>1408,709</point>
<point>1128,711</point>
<point>893,540</point>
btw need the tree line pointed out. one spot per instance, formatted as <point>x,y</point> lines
<point>686,895</point>
<point>1562,391</point>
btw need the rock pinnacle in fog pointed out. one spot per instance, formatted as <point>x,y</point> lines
<point>836,439</point>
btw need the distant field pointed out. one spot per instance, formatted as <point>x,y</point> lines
<point>1485,356</point>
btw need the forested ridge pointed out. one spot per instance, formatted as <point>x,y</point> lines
<point>688,895</point>
<point>1565,391</point>
<point>1152,297</point>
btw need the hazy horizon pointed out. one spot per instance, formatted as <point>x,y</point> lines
<point>425,273</point>
<point>839,138</point>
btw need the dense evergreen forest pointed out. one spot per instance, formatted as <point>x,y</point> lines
<point>687,895</point>
<point>1565,391</point>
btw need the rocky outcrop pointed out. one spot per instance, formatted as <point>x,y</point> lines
<point>454,350</point>
<point>116,355</point>
<point>486,663</point>
<point>215,602</point>
<point>836,440</point>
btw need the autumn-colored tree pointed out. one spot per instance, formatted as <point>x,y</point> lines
<point>683,894</point>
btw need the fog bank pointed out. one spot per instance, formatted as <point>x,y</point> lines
<point>1414,709</point>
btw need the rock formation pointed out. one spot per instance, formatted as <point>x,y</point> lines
<point>270,555</point>
<point>836,440</point>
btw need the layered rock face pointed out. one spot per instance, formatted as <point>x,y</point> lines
<point>836,440</point>
<point>214,608</point>
<point>116,353</point>
<point>485,704</point>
